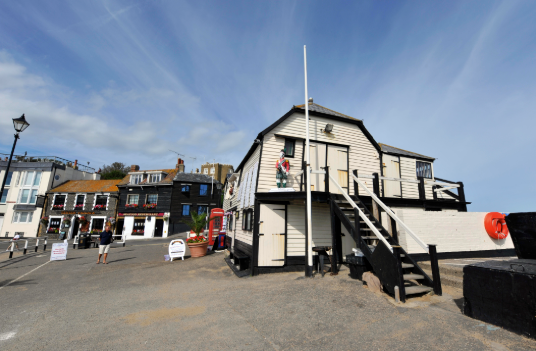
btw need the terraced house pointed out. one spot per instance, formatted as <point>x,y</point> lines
<point>80,206</point>
<point>145,200</point>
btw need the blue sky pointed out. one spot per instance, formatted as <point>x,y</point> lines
<point>128,80</point>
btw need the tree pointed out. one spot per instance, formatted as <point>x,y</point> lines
<point>116,170</point>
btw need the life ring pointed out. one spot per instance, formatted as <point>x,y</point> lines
<point>496,225</point>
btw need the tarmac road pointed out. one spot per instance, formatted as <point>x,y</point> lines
<point>140,302</point>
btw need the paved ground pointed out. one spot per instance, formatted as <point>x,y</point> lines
<point>138,301</point>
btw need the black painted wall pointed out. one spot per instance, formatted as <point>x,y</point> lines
<point>163,203</point>
<point>179,198</point>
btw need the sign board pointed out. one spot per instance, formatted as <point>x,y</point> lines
<point>177,248</point>
<point>59,251</point>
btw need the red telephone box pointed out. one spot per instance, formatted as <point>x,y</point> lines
<point>215,225</point>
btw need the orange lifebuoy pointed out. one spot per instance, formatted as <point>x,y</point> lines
<point>496,225</point>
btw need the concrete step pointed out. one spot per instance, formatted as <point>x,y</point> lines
<point>417,289</point>
<point>413,276</point>
<point>447,279</point>
<point>407,265</point>
<point>454,271</point>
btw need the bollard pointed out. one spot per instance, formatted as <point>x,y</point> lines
<point>397,294</point>
<point>36,245</point>
<point>25,248</point>
<point>45,246</point>
<point>11,252</point>
<point>76,241</point>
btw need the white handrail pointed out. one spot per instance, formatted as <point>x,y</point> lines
<point>318,172</point>
<point>391,213</point>
<point>443,189</point>
<point>362,215</point>
<point>400,180</point>
<point>442,184</point>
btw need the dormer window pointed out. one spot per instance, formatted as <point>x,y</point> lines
<point>155,178</point>
<point>136,178</point>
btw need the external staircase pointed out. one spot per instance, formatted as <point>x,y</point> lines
<point>400,275</point>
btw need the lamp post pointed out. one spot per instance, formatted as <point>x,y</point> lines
<point>20,125</point>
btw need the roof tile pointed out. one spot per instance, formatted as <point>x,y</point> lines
<point>87,186</point>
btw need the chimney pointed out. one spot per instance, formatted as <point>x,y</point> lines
<point>180,165</point>
<point>134,168</point>
<point>197,170</point>
<point>75,164</point>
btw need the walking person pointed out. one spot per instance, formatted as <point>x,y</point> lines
<point>16,237</point>
<point>105,241</point>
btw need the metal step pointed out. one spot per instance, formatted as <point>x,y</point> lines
<point>413,276</point>
<point>417,289</point>
<point>407,265</point>
<point>370,237</point>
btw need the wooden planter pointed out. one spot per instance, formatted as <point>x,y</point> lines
<point>198,249</point>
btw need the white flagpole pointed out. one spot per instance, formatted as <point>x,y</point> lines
<point>309,268</point>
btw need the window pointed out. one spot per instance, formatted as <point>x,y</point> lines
<point>100,202</point>
<point>230,223</point>
<point>4,196</point>
<point>185,210</point>
<point>30,186</point>
<point>132,201</point>
<point>247,220</point>
<point>79,203</point>
<point>97,224</point>
<point>203,189</point>
<point>205,171</point>
<point>155,178</point>
<point>202,209</point>
<point>212,170</point>
<point>136,178</point>
<point>8,180</point>
<point>22,217</point>
<point>139,227</point>
<point>185,188</point>
<point>290,145</point>
<point>152,198</point>
<point>59,202</point>
<point>424,169</point>
<point>54,225</point>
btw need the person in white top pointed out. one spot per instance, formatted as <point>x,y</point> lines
<point>16,237</point>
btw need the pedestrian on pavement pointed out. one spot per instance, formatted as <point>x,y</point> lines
<point>16,237</point>
<point>105,241</point>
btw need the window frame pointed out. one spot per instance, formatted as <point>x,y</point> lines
<point>147,199</point>
<point>32,187</point>
<point>136,176</point>
<point>128,199</point>
<point>54,201</point>
<point>156,175</point>
<point>97,217</point>
<point>206,192</point>
<point>17,215</point>
<point>206,206</point>
<point>293,141</point>
<point>186,185</point>
<point>189,209</point>
<point>50,222</point>
<point>107,200</point>
<point>76,201</point>
<point>247,220</point>
<point>424,170</point>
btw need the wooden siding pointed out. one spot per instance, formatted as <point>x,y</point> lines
<point>296,228</point>
<point>163,202</point>
<point>245,236</point>
<point>362,154</point>
<point>408,170</point>
<point>253,159</point>
<point>193,198</point>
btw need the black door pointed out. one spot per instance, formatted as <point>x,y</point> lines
<point>158,228</point>
<point>76,224</point>
<point>119,227</point>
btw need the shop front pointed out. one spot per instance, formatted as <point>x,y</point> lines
<point>75,222</point>
<point>143,225</point>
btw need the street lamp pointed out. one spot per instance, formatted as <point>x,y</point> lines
<point>20,125</point>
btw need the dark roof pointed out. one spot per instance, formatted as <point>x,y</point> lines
<point>321,109</point>
<point>167,180</point>
<point>87,186</point>
<point>395,150</point>
<point>194,178</point>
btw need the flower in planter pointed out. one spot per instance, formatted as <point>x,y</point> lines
<point>44,220</point>
<point>131,205</point>
<point>197,224</point>
<point>197,239</point>
<point>57,207</point>
<point>79,206</point>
